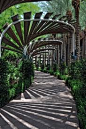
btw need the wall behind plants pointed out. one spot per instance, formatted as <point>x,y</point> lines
<point>14,79</point>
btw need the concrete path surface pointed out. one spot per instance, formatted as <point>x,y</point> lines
<point>47,104</point>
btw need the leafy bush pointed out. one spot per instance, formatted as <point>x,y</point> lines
<point>48,67</point>
<point>42,66</point>
<point>63,68</point>
<point>77,82</point>
<point>4,91</point>
<point>27,71</point>
<point>14,80</point>
<point>55,67</point>
<point>51,71</point>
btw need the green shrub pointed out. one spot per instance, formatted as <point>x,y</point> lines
<point>42,66</point>
<point>4,91</point>
<point>77,82</point>
<point>63,68</point>
<point>14,80</point>
<point>55,67</point>
<point>27,71</point>
<point>51,71</point>
<point>48,67</point>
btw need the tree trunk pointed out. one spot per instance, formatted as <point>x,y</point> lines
<point>77,35</point>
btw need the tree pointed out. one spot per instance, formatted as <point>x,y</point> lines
<point>57,6</point>
<point>17,9</point>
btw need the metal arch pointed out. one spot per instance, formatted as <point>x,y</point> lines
<point>8,3</point>
<point>41,50</point>
<point>46,20</point>
<point>45,42</point>
<point>64,23</point>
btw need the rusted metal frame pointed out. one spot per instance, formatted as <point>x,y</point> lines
<point>62,30</point>
<point>46,25</point>
<point>49,22</point>
<point>41,23</point>
<point>18,28</point>
<point>26,26</point>
<point>46,43</point>
<point>53,31</point>
<point>37,16</point>
<point>10,3</point>
<point>12,49</point>
<point>16,2</point>
<point>36,51</point>
<point>43,26</point>
<point>56,16</point>
<point>61,18</point>
<point>72,28</point>
<point>48,32</point>
<point>65,28</point>
<point>1,5</point>
<point>13,36</point>
<point>52,25</point>
<point>5,4</point>
<point>39,52</point>
<point>39,26</point>
<point>34,44</point>
<point>8,42</point>
<point>31,45</point>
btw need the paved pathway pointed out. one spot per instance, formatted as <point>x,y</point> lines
<point>47,104</point>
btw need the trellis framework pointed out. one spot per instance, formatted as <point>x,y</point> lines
<point>5,4</point>
<point>32,29</point>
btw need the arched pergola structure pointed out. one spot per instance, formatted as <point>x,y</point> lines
<point>21,40</point>
<point>5,4</point>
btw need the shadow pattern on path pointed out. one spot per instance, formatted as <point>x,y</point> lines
<point>47,104</point>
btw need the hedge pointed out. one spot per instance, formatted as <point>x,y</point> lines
<point>14,80</point>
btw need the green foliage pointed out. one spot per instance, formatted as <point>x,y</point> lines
<point>17,9</point>
<point>56,7</point>
<point>27,71</point>
<point>42,66</point>
<point>9,55</point>
<point>51,71</point>
<point>3,82</point>
<point>63,68</point>
<point>48,67</point>
<point>77,70</point>
<point>77,82</point>
<point>14,79</point>
<point>55,67</point>
<point>45,70</point>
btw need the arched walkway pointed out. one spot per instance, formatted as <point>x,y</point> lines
<point>47,104</point>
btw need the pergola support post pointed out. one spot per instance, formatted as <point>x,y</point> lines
<point>64,50</point>
<point>60,52</point>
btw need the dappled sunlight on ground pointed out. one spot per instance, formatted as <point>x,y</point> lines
<point>47,104</point>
